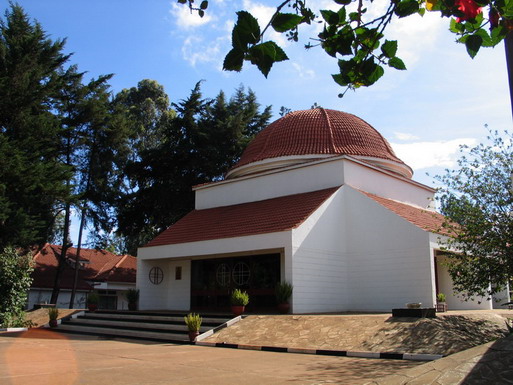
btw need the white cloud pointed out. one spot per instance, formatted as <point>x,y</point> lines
<point>263,14</point>
<point>421,155</point>
<point>186,20</point>
<point>303,72</point>
<point>196,50</point>
<point>405,136</point>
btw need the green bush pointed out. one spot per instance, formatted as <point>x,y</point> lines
<point>284,292</point>
<point>239,298</point>
<point>193,322</point>
<point>53,313</point>
<point>440,297</point>
<point>93,299</point>
<point>15,281</point>
<point>132,295</point>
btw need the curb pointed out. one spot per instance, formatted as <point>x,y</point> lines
<point>210,332</point>
<point>13,330</point>
<point>324,352</point>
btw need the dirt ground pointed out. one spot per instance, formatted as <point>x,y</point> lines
<point>40,317</point>
<point>375,333</point>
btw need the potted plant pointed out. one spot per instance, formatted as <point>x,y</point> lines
<point>193,322</point>
<point>441,305</point>
<point>239,299</point>
<point>283,293</point>
<point>132,296</point>
<point>92,301</point>
<point>53,314</point>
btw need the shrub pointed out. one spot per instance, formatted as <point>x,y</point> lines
<point>132,295</point>
<point>193,322</point>
<point>15,282</point>
<point>53,313</point>
<point>93,299</point>
<point>440,297</point>
<point>284,292</point>
<point>239,298</point>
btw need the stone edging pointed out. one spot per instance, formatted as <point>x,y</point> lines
<point>210,332</point>
<point>13,330</point>
<point>322,352</point>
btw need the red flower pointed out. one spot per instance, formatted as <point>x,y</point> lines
<point>469,8</point>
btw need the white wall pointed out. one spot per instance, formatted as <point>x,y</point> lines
<point>388,258</point>
<point>308,177</point>
<point>453,300</point>
<point>37,296</point>
<point>318,261</point>
<point>179,295</point>
<point>152,296</point>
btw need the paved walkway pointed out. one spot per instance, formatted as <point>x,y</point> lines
<point>44,357</point>
<point>491,363</point>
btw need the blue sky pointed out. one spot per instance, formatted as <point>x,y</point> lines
<point>444,98</point>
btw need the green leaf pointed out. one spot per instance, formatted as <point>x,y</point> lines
<point>487,40</point>
<point>456,27</point>
<point>396,63</point>
<point>283,22</point>
<point>330,17</point>
<point>343,2</point>
<point>340,79</point>
<point>473,43</point>
<point>233,60</point>
<point>204,4</point>
<point>265,55</point>
<point>389,48</point>
<point>342,15</point>
<point>407,8</point>
<point>246,30</point>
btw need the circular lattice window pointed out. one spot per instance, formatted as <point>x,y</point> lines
<point>156,275</point>
<point>241,273</point>
<point>223,274</point>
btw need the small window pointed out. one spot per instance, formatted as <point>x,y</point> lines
<point>178,273</point>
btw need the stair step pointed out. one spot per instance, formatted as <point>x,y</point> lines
<point>112,332</point>
<point>113,323</point>
<point>151,318</point>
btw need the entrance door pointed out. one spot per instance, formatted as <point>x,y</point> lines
<point>213,280</point>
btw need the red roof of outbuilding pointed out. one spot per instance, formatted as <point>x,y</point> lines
<point>425,219</point>
<point>98,266</point>
<point>261,217</point>
<point>318,131</point>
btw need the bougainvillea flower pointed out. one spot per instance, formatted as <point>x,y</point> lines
<point>430,4</point>
<point>469,8</point>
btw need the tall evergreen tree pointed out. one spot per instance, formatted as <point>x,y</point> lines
<point>32,177</point>
<point>199,145</point>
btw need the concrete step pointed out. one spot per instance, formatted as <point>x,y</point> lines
<point>151,318</point>
<point>123,333</point>
<point>116,323</point>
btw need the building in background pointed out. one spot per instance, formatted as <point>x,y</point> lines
<point>103,272</point>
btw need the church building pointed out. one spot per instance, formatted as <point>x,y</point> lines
<point>318,199</point>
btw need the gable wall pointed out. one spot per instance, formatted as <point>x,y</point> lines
<point>389,259</point>
<point>318,263</point>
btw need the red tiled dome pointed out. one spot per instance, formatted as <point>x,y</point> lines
<point>318,133</point>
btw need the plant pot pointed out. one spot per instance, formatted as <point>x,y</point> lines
<point>193,335</point>
<point>238,309</point>
<point>284,308</point>
<point>441,307</point>
<point>132,306</point>
<point>53,323</point>
<point>92,307</point>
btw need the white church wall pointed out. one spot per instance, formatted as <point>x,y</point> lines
<point>387,186</point>
<point>389,261</point>
<point>298,179</point>
<point>152,296</point>
<point>454,300</point>
<point>318,262</point>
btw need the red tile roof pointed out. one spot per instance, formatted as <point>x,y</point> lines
<point>317,131</point>
<point>425,219</point>
<point>99,266</point>
<point>261,217</point>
